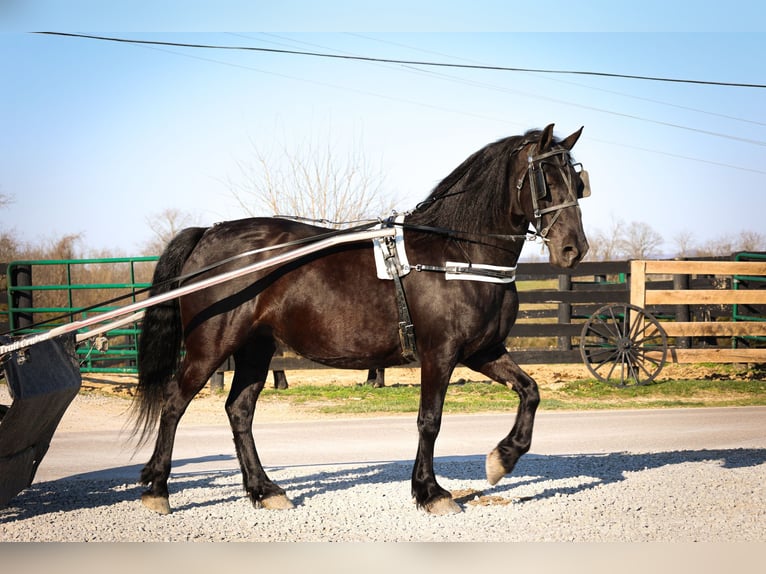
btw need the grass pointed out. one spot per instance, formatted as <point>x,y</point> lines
<point>477,397</point>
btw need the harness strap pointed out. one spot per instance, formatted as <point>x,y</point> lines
<point>406,328</point>
<point>472,272</point>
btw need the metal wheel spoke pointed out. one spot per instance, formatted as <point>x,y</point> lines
<point>616,343</point>
<point>611,370</point>
<point>610,358</point>
<point>618,323</point>
<point>643,332</point>
<point>605,330</point>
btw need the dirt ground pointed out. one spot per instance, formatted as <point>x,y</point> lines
<point>104,400</point>
<point>547,376</point>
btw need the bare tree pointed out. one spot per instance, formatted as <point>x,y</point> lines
<point>751,241</point>
<point>685,245</point>
<point>313,182</point>
<point>9,247</point>
<point>640,241</point>
<point>166,225</point>
<point>605,245</point>
<point>720,246</point>
<point>635,240</point>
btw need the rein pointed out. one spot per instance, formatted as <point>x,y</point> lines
<point>195,273</point>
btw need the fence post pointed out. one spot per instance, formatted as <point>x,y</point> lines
<point>216,380</point>
<point>681,283</point>
<point>638,283</point>
<point>4,325</point>
<point>20,276</point>
<point>565,312</point>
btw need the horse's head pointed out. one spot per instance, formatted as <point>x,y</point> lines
<point>548,191</point>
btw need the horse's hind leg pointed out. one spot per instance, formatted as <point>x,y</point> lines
<point>251,364</point>
<point>498,365</point>
<point>192,377</point>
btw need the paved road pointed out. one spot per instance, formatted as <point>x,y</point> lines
<point>108,453</point>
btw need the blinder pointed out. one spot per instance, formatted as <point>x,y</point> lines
<point>584,190</point>
<point>577,189</point>
<point>537,181</point>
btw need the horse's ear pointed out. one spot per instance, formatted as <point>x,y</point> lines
<point>546,138</point>
<point>568,143</point>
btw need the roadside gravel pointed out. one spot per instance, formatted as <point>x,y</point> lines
<point>566,499</point>
<point>711,496</point>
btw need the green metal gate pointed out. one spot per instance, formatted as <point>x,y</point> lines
<point>741,312</point>
<point>66,290</point>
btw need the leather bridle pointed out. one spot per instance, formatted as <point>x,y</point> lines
<point>539,189</point>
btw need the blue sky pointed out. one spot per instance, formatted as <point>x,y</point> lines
<point>96,137</point>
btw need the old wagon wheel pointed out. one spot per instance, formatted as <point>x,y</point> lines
<point>623,345</point>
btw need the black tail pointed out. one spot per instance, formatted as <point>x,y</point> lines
<point>159,346</point>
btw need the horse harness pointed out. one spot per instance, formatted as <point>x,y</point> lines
<point>391,257</point>
<point>392,263</point>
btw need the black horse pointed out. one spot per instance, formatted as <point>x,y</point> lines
<point>331,308</point>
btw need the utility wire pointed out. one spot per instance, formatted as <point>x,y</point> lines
<point>405,62</point>
<point>451,78</point>
<point>465,113</point>
<point>571,83</point>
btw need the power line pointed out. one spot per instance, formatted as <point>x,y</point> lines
<point>569,82</point>
<point>451,78</point>
<point>405,62</point>
<point>465,113</point>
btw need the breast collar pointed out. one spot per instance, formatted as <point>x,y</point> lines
<point>391,261</point>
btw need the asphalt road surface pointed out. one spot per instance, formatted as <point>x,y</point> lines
<point>108,453</point>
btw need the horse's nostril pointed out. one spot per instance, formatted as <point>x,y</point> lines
<point>570,255</point>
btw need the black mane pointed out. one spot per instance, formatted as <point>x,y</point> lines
<point>476,196</point>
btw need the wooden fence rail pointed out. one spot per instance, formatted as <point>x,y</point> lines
<point>642,296</point>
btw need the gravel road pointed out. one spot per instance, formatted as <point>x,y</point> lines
<point>624,488</point>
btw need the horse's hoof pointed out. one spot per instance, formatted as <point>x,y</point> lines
<point>494,467</point>
<point>443,506</point>
<point>158,504</point>
<point>276,502</point>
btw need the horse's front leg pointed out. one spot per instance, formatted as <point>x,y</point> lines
<point>499,366</point>
<point>426,491</point>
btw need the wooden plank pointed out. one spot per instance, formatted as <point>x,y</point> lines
<point>545,330</point>
<point>599,287</point>
<point>536,314</point>
<point>706,267</point>
<point>715,329</point>
<point>554,297</point>
<point>638,283</point>
<point>527,271</point>
<point>704,296</point>
<point>716,356</point>
<point>543,357</point>
<point>294,363</point>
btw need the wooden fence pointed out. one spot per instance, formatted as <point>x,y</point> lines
<point>692,299</point>
<point>715,300</point>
